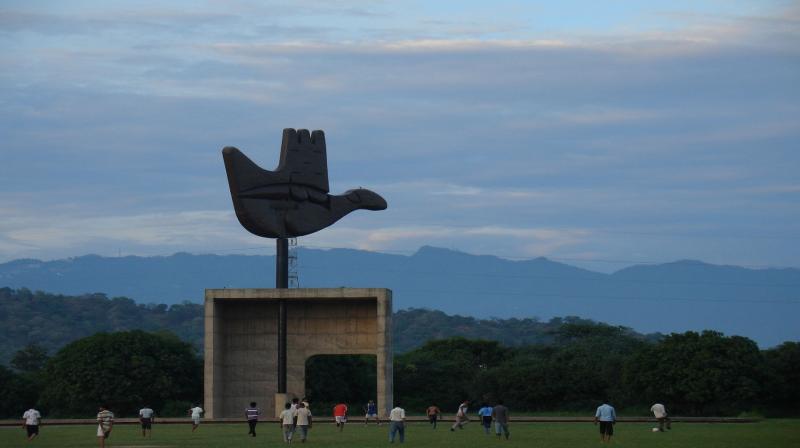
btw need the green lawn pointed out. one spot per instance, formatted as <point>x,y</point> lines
<point>768,433</point>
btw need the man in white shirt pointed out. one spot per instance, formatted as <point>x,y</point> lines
<point>32,419</point>
<point>105,423</point>
<point>660,412</point>
<point>397,423</point>
<point>461,416</point>
<point>196,412</point>
<point>146,419</point>
<point>303,420</point>
<point>287,422</point>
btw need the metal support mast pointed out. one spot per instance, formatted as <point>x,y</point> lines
<point>282,282</point>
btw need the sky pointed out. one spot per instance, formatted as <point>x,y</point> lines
<point>600,134</point>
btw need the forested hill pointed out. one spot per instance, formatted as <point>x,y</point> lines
<point>52,321</point>
<point>760,304</point>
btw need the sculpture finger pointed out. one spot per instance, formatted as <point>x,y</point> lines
<point>303,137</point>
<point>318,139</point>
<point>289,139</point>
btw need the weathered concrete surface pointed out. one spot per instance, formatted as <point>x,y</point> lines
<point>241,341</point>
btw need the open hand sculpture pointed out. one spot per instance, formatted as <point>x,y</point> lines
<point>293,199</point>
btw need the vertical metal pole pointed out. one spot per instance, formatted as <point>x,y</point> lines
<point>282,282</point>
<point>282,264</point>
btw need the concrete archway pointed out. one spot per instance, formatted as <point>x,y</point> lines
<point>241,341</point>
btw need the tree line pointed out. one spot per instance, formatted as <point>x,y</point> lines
<point>126,370</point>
<point>693,373</point>
<point>53,320</point>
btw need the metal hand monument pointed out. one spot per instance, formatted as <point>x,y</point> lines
<point>290,201</point>
<point>293,200</point>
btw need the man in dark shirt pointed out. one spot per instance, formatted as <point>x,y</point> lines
<point>252,414</point>
<point>500,416</point>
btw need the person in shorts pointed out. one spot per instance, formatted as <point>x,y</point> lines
<point>196,412</point>
<point>434,414</point>
<point>105,422</point>
<point>371,410</point>
<point>500,416</point>
<point>461,416</point>
<point>146,417</point>
<point>607,417</point>
<point>286,420</point>
<point>340,415</point>
<point>32,419</point>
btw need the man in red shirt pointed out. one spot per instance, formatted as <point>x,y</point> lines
<point>340,415</point>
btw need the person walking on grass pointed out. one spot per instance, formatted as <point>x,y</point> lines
<point>485,412</point>
<point>500,416</point>
<point>434,414</point>
<point>251,414</point>
<point>196,412</point>
<point>303,421</point>
<point>340,415</point>
<point>146,418</point>
<point>105,422</point>
<point>286,421</point>
<point>607,417</point>
<point>660,412</point>
<point>32,419</point>
<point>461,416</point>
<point>397,423</point>
<point>371,412</point>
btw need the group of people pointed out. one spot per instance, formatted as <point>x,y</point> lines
<point>105,422</point>
<point>32,419</point>
<point>606,417</point>
<point>296,417</point>
<point>497,414</point>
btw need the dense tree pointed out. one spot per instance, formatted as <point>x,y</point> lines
<point>414,326</point>
<point>782,371</point>
<point>30,359</point>
<point>445,371</point>
<point>18,392</point>
<point>125,370</point>
<point>582,367</point>
<point>562,364</point>
<point>699,373</point>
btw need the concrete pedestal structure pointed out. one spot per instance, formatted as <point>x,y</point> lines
<point>241,341</point>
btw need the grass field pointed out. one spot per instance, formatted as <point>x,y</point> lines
<point>765,434</point>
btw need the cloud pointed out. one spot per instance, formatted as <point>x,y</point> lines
<point>510,240</point>
<point>28,234</point>
<point>116,117</point>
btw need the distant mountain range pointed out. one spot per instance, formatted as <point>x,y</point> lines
<point>762,304</point>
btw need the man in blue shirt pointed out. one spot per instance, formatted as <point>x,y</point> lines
<point>607,416</point>
<point>372,412</point>
<point>486,417</point>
